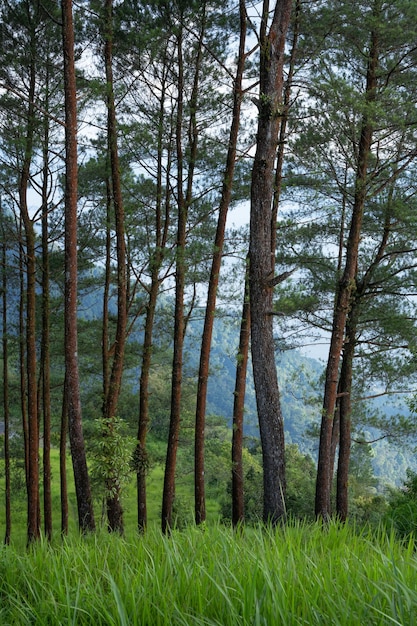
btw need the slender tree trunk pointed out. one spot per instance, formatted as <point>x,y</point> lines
<point>261,261</point>
<point>336,418</point>
<point>161,234</point>
<point>114,505</point>
<point>203,374</point>
<point>33,521</point>
<point>33,500</point>
<point>144,383</point>
<point>346,288</point>
<point>46,402</point>
<point>45,348</point>
<point>22,359</point>
<point>6,412</point>
<point>79,461</point>
<point>63,462</point>
<point>238,497</point>
<point>142,465</point>
<point>283,126</point>
<point>238,411</point>
<point>184,201</point>
<point>179,324</point>
<point>141,452</point>
<point>346,372</point>
<point>345,410</point>
<point>105,341</point>
<point>335,433</point>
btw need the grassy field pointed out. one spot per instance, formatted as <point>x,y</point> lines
<point>301,574</point>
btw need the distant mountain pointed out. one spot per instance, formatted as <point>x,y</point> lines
<point>301,399</point>
<point>298,379</point>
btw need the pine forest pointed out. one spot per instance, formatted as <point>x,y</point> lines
<point>208,332</point>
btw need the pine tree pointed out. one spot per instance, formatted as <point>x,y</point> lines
<point>261,265</point>
<point>72,381</point>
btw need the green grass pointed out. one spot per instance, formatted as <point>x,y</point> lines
<point>301,574</point>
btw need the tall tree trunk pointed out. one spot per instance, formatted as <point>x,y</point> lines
<point>238,498</point>
<point>45,347</point>
<point>346,372</point>
<point>79,461</point>
<point>261,261</point>
<point>283,125</point>
<point>6,412</point>
<point>63,462</point>
<point>105,341</point>
<point>345,410</point>
<point>141,453</point>
<point>184,201</point>
<point>346,287</point>
<point>161,234</point>
<point>33,485</point>
<point>22,358</point>
<point>114,505</point>
<point>46,386</point>
<point>240,384</point>
<point>143,422</point>
<point>336,418</point>
<point>203,374</point>
<point>145,370</point>
<point>179,324</point>
<point>33,521</point>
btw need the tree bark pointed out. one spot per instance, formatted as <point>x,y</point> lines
<point>63,462</point>
<point>176,384</point>
<point>238,496</point>
<point>261,261</point>
<point>184,201</point>
<point>45,347</point>
<point>345,410</point>
<point>240,385</point>
<point>346,372</point>
<point>79,461</point>
<point>22,359</point>
<point>114,505</point>
<point>161,233</point>
<point>33,521</point>
<point>346,288</point>
<point>105,337</point>
<point>6,411</point>
<point>283,126</point>
<point>203,374</point>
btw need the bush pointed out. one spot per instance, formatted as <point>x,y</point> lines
<point>402,508</point>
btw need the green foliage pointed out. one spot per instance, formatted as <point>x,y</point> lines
<point>253,486</point>
<point>301,481</point>
<point>301,474</point>
<point>402,509</point>
<point>362,480</point>
<point>111,454</point>
<point>182,512</point>
<point>320,167</point>
<point>368,510</point>
<point>367,503</point>
<point>17,465</point>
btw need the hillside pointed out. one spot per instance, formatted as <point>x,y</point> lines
<point>300,389</point>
